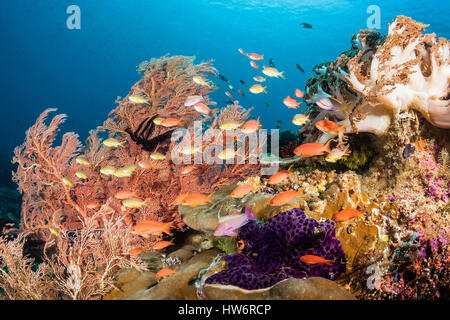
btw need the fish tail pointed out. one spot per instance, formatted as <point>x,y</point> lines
<point>329,262</point>
<point>326,147</point>
<point>289,169</point>
<point>249,214</point>
<point>340,129</point>
<point>166,228</point>
<point>264,89</point>
<point>300,192</point>
<point>209,197</point>
<point>281,75</point>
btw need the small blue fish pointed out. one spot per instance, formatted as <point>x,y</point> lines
<point>228,225</point>
<point>409,150</point>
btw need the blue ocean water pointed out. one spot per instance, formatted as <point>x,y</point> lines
<point>81,72</point>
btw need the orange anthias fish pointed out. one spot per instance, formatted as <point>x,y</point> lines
<point>166,272</point>
<point>241,191</point>
<point>421,145</point>
<point>149,227</point>
<point>312,259</point>
<point>162,244</point>
<point>347,214</point>
<point>307,150</point>
<point>179,199</point>
<point>187,169</point>
<point>251,126</point>
<point>254,65</point>
<point>147,164</point>
<point>202,108</point>
<point>170,122</point>
<point>125,194</point>
<point>285,197</point>
<point>137,251</point>
<point>93,205</point>
<point>279,176</point>
<point>291,102</point>
<point>299,93</point>
<point>329,126</point>
<point>196,199</point>
<point>255,56</point>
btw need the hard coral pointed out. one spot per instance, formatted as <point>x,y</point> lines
<point>272,252</point>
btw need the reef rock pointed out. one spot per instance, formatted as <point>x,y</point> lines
<point>180,286</point>
<point>205,218</point>
<point>314,288</point>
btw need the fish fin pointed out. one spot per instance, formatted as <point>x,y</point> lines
<point>264,89</point>
<point>281,75</point>
<point>300,192</point>
<point>249,214</point>
<point>329,262</point>
<point>167,232</point>
<point>145,204</point>
<point>340,129</point>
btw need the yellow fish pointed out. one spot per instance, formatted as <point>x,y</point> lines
<point>67,182</point>
<point>300,119</point>
<point>137,98</point>
<point>201,81</point>
<point>257,88</point>
<point>259,78</point>
<point>272,72</point>
<point>189,149</point>
<point>82,161</point>
<point>158,120</point>
<point>108,170</point>
<point>134,203</point>
<point>230,125</point>
<point>157,156</point>
<point>54,231</point>
<point>122,174</point>
<point>126,171</point>
<point>227,153</point>
<point>130,167</point>
<point>337,154</point>
<point>81,175</point>
<point>111,142</point>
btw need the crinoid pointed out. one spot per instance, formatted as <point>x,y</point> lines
<point>146,129</point>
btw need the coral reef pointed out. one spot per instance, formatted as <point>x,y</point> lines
<point>381,78</point>
<point>74,239</point>
<point>69,189</point>
<point>272,252</point>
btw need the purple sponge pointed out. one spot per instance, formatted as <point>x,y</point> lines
<point>272,252</point>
